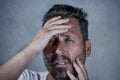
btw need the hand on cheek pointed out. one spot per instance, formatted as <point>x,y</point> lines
<point>80,69</point>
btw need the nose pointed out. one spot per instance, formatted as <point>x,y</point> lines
<point>60,49</point>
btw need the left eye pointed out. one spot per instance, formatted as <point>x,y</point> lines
<point>69,40</point>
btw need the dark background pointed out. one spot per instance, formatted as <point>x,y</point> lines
<point>21,19</point>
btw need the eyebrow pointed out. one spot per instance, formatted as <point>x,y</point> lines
<point>65,35</point>
<point>68,35</point>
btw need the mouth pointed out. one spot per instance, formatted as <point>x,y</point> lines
<point>61,63</point>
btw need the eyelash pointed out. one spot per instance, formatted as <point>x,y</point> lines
<point>54,41</point>
<point>69,40</point>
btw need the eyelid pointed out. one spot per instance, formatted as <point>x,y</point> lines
<point>53,41</point>
<point>70,39</point>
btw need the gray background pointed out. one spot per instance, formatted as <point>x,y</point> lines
<point>21,19</point>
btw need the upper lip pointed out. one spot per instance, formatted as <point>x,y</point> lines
<point>60,61</point>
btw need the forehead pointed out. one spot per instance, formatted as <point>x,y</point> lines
<point>75,25</point>
<point>74,31</point>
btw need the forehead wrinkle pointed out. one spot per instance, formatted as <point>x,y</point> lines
<point>65,35</point>
<point>68,35</point>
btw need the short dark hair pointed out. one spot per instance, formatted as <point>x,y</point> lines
<point>65,10</point>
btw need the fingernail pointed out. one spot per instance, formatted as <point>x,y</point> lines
<point>77,59</point>
<point>73,61</point>
<point>69,26</point>
<point>59,16</point>
<point>67,19</point>
<point>68,71</point>
<point>66,30</point>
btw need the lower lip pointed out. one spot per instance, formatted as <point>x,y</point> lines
<point>61,65</point>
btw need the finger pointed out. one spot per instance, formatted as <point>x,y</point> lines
<point>58,31</point>
<point>53,31</point>
<point>52,20</point>
<point>83,68</point>
<point>71,76</point>
<point>79,71</point>
<point>39,34</point>
<point>59,27</point>
<point>58,22</point>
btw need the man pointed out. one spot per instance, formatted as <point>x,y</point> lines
<point>63,39</point>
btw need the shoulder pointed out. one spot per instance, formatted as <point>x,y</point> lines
<point>33,75</point>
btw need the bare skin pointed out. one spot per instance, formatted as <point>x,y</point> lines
<point>70,50</point>
<point>12,69</point>
<point>81,70</point>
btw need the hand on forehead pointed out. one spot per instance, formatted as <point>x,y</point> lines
<point>75,27</point>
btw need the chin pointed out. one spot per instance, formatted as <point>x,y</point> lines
<point>59,74</point>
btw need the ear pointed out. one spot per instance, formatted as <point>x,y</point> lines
<point>88,47</point>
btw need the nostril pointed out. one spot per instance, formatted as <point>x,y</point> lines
<point>59,51</point>
<point>60,48</point>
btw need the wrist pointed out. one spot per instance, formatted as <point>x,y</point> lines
<point>29,50</point>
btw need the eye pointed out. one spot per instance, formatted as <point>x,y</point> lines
<point>53,41</point>
<point>69,40</point>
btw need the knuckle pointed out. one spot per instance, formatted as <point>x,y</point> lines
<point>44,29</point>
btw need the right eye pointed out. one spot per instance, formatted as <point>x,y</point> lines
<point>53,42</point>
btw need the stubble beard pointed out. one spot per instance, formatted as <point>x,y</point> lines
<point>60,73</point>
<point>57,72</point>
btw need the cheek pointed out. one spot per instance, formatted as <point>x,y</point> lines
<point>48,51</point>
<point>75,51</point>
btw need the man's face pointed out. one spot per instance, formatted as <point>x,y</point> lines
<point>63,49</point>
